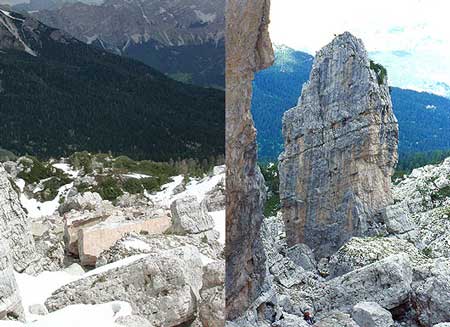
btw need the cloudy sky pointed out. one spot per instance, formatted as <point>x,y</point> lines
<point>410,37</point>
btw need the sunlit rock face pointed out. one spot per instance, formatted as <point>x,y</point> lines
<point>340,150</point>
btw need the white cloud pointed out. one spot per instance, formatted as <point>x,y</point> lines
<point>417,27</point>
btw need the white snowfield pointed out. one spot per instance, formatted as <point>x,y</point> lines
<point>86,315</point>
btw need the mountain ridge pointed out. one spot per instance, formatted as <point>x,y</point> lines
<point>70,96</point>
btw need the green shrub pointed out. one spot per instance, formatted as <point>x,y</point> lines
<point>82,160</point>
<point>379,70</point>
<point>108,188</point>
<point>133,186</point>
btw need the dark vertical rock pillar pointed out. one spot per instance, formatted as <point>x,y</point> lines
<point>248,49</point>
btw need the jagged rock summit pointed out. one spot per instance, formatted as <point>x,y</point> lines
<point>340,149</point>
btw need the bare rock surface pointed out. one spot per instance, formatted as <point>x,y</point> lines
<point>189,217</point>
<point>161,287</point>
<point>248,50</point>
<point>370,314</point>
<point>15,226</point>
<point>10,301</point>
<point>212,304</point>
<point>340,150</point>
<point>95,239</point>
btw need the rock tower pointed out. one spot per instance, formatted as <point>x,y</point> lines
<point>340,149</point>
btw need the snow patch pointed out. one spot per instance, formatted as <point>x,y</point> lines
<point>38,209</point>
<point>219,224</point>
<point>80,315</point>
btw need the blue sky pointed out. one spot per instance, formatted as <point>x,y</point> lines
<point>410,37</point>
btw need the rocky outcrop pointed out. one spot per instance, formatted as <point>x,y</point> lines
<point>386,282</point>
<point>81,202</point>
<point>10,301</point>
<point>361,252</point>
<point>248,49</point>
<point>161,287</point>
<point>212,305</point>
<point>14,226</point>
<point>340,149</point>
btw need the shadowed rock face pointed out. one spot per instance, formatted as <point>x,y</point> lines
<point>340,150</point>
<point>249,49</point>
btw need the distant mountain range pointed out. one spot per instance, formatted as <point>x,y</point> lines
<point>424,118</point>
<point>183,39</point>
<point>59,95</point>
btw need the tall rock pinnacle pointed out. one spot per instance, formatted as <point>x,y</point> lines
<point>340,149</point>
<point>248,49</point>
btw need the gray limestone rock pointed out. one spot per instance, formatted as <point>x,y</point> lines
<point>303,256</point>
<point>161,287</point>
<point>337,319</point>
<point>371,314</point>
<point>397,219</point>
<point>386,282</point>
<point>212,305</point>
<point>15,226</point>
<point>189,217</point>
<point>340,150</point>
<point>81,202</point>
<point>360,252</point>
<point>10,301</point>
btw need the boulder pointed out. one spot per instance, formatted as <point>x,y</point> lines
<point>397,219</point>
<point>10,300</point>
<point>76,221</point>
<point>81,202</point>
<point>303,256</point>
<point>95,239</point>
<point>215,199</point>
<point>133,244</point>
<point>340,150</point>
<point>189,217</point>
<point>371,314</point>
<point>386,282</point>
<point>431,297</point>
<point>15,226</point>
<point>360,252</point>
<point>212,305</point>
<point>161,287</point>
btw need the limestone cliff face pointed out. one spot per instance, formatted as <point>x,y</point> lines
<point>14,225</point>
<point>10,302</point>
<point>248,49</point>
<point>340,149</point>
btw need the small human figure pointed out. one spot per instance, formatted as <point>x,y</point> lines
<point>307,317</point>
